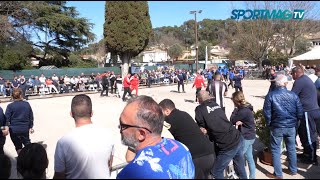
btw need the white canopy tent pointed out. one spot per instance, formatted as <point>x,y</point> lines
<point>309,58</point>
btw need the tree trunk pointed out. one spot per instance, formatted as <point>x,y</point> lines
<point>125,64</point>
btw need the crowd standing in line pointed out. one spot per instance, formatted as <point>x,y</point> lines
<point>142,121</point>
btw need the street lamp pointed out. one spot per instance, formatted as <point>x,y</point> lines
<point>196,32</point>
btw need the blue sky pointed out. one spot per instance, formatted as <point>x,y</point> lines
<point>162,13</point>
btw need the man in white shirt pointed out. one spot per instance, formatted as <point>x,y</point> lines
<point>55,77</point>
<point>87,151</point>
<point>42,79</point>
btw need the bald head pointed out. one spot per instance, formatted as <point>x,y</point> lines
<point>203,96</point>
<point>297,72</point>
<point>81,107</point>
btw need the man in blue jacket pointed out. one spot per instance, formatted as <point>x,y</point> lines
<point>282,110</point>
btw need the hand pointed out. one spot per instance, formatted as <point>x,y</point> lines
<point>5,132</point>
<point>239,123</point>
<point>31,131</point>
<point>204,131</point>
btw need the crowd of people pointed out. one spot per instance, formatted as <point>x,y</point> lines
<point>202,147</point>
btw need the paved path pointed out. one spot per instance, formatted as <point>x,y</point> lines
<point>52,120</point>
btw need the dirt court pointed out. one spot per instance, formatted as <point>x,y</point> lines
<point>52,120</point>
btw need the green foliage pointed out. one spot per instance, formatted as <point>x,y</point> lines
<point>278,58</point>
<point>127,27</point>
<point>77,62</point>
<point>175,51</point>
<point>262,129</point>
<point>15,56</point>
<point>55,27</point>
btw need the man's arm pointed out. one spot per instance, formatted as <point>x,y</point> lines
<point>199,117</point>
<point>296,88</point>
<point>267,110</point>
<point>59,162</point>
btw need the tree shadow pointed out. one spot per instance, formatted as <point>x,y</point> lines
<point>190,101</point>
<point>262,97</point>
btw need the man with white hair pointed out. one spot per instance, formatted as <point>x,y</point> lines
<point>282,110</point>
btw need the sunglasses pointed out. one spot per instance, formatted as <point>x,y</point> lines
<point>123,127</point>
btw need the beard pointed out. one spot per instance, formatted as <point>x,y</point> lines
<point>129,141</point>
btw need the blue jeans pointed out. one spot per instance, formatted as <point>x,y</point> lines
<point>223,159</point>
<point>248,154</point>
<point>289,136</point>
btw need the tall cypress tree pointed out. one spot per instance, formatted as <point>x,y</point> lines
<point>127,29</point>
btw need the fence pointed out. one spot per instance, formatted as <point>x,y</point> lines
<point>8,74</point>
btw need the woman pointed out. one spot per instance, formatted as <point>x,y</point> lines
<point>20,117</point>
<point>242,116</point>
<point>32,162</point>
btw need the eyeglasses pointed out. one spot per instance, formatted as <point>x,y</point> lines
<point>123,127</point>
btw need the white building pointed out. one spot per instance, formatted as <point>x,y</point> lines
<point>155,56</point>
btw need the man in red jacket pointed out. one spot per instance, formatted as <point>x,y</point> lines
<point>198,82</point>
<point>126,86</point>
<point>134,80</point>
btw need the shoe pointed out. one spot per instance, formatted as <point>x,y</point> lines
<point>184,92</point>
<point>269,175</point>
<point>302,156</point>
<point>287,171</point>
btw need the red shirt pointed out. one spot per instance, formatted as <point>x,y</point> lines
<point>126,82</point>
<point>134,81</point>
<point>198,82</point>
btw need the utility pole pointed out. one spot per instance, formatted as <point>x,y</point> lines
<point>196,32</point>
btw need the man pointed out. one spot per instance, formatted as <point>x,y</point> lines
<point>134,82</point>
<point>219,90</point>
<point>4,130</point>
<point>105,84</point>
<point>126,87</point>
<point>184,129</point>
<point>282,110</point>
<point>237,81</point>
<point>228,140</point>
<point>198,82</point>
<point>231,75</point>
<point>181,77</point>
<point>272,80</point>
<point>112,81</point>
<point>307,92</point>
<point>141,124</point>
<point>87,151</point>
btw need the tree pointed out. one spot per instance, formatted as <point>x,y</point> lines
<point>15,56</point>
<point>63,30</point>
<point>127,29</point>
<point>175,51</point>
<point>255,37</point>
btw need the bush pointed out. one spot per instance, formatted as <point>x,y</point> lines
<point>262,129</point>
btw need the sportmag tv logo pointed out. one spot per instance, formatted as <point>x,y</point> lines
<point>296,14</point>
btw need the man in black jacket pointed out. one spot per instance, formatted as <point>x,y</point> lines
<point>184,129</point>
<point>228,140</point>
<point>105,84</point>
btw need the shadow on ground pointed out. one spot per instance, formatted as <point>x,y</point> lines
<point>262,97</point>
<point>188,100</point>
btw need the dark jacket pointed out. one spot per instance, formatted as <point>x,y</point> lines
<point>210,116</point>
<point>185,130</point>
<point>307,92</point>
<point>245,115</point>
<point>20,116</point>
<point>237,80</point>
<point>282,108</point>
